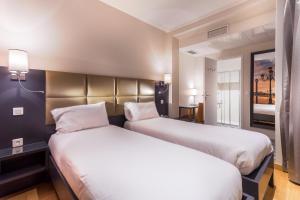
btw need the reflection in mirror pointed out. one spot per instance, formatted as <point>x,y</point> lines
<point>262,108</point>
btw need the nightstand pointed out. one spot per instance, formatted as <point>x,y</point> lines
<point>23,167</point>
<point>189,108</point>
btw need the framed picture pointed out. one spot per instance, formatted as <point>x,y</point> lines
<point>262,98</point>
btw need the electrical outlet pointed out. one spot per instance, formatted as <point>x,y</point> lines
<point>161,101</point>
<point>18,111</point>
<point>17,142</point>
<point>17,150</point>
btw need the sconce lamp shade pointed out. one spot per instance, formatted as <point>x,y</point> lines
<point>18,61</point>
<point>193,92</point>
<point>167,78</point>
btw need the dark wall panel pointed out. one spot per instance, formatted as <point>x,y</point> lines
<point>30,126</point>
<point>162,94</point>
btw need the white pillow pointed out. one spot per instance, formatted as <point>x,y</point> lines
<point>140,111</point>
<point>75,118</point>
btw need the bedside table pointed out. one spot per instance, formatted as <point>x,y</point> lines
<point>190,108</point>
<point>22,167</point>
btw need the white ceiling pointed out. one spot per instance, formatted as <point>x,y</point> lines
<point>230,41</point>
<point>171,14</point>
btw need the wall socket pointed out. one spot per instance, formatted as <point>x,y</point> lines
<point>18,111</point>
<point>17,142</point>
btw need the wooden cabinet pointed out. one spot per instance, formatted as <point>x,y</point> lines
<point>22,167</point>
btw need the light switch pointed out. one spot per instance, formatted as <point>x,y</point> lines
<point>18,111</point>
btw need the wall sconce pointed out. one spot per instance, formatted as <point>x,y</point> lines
<point>18,64</point>
<point>165,84</point>
<point>19,67</point>
<point>167,78</point>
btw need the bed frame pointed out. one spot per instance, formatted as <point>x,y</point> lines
<point>61,186</point>
<point>256,183</point>
<point>263,121</point>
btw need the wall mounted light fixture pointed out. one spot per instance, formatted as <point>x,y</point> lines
<point>165,84</point>
<point>19,66</point>
<point>167,78</point>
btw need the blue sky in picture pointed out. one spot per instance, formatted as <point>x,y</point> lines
<point>262,67</point>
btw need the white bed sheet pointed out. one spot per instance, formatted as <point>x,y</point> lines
<point>244,149</point>
<point>266,109</point>
<point>111,163</point>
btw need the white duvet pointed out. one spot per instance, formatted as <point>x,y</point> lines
<point>266,109</point>
<point>244,149</point>
<point>112,163</point>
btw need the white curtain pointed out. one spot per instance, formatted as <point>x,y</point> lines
<point>228,110</point>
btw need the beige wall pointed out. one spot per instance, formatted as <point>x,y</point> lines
<point>191,75</point>
<point>174,92</point>
<point>278,76</point>
<point>245,53</point>
<point>83,36</point>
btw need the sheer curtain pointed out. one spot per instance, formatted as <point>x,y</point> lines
<point>228,111</point>
<point>290,107</point>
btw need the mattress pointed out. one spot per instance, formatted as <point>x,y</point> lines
<point>244,149</point>
<point>265,109</point>
<point>112,163</point>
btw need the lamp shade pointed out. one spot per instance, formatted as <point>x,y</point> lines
<point>18,61</point>
<point>193,92</point>
<point>167,78</point>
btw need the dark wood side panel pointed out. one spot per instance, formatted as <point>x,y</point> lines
<point>60,184</point>
<point>30,126</point>
<point>255,184</point>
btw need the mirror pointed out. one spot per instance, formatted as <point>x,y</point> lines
<point>262,100</point>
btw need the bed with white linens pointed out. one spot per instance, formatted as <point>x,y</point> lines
<point>264,109</point>
<point>244,149</point>
<point>112,163</point>
<point>250,152</point>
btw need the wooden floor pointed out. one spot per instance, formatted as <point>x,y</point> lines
<point>285,190</point>
<point>44,191</point>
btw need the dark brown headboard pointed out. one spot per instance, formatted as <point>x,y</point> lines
<point>69,89</point>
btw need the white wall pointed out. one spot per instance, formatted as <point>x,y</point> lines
<point>232,64</point>
<point>174,92</point>
<point>251,14</point>
<point>191,72</point>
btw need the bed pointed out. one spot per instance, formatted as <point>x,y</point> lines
<point>246,150</point>
<point>112,163</point>
<point>264,109</point>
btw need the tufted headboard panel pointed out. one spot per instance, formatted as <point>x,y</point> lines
<point>69,89</point>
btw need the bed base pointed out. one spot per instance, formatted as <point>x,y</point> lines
<point>247,197</point>
<point>256,183</point>
<point>61,186</point>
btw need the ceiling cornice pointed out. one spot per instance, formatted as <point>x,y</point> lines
<point>217,16</point>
